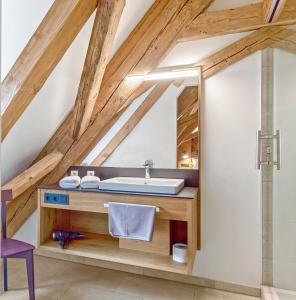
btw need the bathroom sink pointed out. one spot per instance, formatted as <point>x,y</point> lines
<point>142,185</point>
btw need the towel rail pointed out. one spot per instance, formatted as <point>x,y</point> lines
<point>156,208</point>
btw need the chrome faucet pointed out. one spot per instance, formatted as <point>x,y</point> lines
<point>148,164</point>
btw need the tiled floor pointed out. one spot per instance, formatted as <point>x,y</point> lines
<point>58,280</point>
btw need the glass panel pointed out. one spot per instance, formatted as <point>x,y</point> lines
<point>284,187</point>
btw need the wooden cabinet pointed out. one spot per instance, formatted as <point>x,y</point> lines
<point>85,212</point>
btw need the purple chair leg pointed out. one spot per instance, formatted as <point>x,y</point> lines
<point>30,272</point>
<point>5,274</point>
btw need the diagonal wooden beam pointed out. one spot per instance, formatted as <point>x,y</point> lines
<point>99,49</point>
<point>258,40</point>
<point>131,123</point>
<point>25,184</point>
<point>187,101</point>
<point>33,174</point>
<point>42,53</point>
<point>159,27</point>
<point>190,136</point>
<point>146,47</point>
<point>241,19</point>
<point>187,132</point>
<point>285,43</point>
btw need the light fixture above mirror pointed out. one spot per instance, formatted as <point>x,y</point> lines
<point>165,73</point>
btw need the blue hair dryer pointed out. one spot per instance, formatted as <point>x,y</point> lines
<point>64,237</point>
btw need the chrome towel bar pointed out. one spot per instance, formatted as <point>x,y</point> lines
<point>156,208</point>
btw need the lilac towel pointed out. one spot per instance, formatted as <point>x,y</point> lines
<point>131,221</point>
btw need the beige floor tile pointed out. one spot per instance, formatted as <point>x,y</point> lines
<point>94,293</point>
<point>61,280</point>
<point>212,294</point>
<point>152,288</point>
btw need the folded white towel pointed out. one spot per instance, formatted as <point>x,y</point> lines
<point>70,182</point>
<point>90,182</point>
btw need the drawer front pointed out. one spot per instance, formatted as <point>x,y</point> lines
<point>53,198</point>
<point>170,208</point>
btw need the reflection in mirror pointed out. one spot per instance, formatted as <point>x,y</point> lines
<point>159,123</point>
<point>187,128</point>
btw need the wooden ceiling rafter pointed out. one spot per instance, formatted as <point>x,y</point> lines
<point>189,137</point>
<point>30,176</point>
<point>100,46</point>
<point>234,20</point>
<point>44,50</point>
<point>286,43</point>
<point>255,41</point>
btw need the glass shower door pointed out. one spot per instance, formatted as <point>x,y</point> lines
<point>284,180</point>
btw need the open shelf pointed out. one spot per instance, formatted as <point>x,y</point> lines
<point>104,247</point>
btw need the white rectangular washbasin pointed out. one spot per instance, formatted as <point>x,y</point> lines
<point>142,185</point>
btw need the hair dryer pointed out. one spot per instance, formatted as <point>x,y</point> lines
<point>64,237</point>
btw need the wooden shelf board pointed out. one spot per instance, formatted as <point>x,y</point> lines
<point>103,247</point>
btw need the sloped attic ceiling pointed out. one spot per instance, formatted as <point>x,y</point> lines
<point>57,96</point>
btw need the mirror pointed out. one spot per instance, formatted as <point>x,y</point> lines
<point>161,123</point>
<point>187,128</point>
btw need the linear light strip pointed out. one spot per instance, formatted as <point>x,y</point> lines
<point>164,75</point>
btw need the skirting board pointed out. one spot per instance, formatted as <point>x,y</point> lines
<point>270,293</point>
<point>198,281</point>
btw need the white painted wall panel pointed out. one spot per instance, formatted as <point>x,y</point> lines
<point>230,207</point>
<point>284,205</point>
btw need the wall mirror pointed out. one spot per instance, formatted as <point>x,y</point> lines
<point>161,124</point>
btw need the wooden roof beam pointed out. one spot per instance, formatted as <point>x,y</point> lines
<point>146,47</point>
<point>255,41</point>
<point>40,56</point>
<point>99,49</point>
<point>286,42</point>
<point>240,19</point>
<point>33,174</point>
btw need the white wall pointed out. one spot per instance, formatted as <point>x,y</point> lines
<point>230,207</point>
<point>284,193</point>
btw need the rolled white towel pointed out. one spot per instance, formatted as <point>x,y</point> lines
<point>70,182</point>
<point>90,182</point>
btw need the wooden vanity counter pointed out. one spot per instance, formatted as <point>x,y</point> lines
<point>84,211</point>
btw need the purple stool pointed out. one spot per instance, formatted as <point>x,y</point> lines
<point>11,248</point>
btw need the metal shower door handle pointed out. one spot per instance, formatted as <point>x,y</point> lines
<point>260,138</point>
<point>278,149</point>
